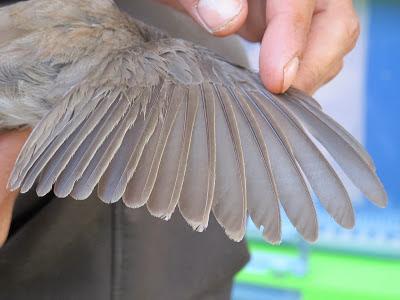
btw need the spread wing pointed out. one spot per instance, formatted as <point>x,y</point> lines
<point>173,125</point>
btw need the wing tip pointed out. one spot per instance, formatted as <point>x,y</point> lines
<point>348,223</point>
<point>132,203</point>
<point>61,193</point>
<point>382,200</point>
<point>80,194</point>
<point>271,232</point>
<point>107,198</point>
<point>24,189</point>
<point>42,189</point>
<point>41,192</point>
<point>346,219</point>
<point>13,182</point>
<point>12,186</point>
<point>198,226</point>
<point>378,196</point>
<point>313,239</point>
<point>159,213</point>
<point>236,236</point>
<point>274,239</point>
<point>310,236</point>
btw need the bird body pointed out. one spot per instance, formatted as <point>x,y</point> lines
<point>121,106</point>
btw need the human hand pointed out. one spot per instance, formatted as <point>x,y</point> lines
<point>10,145</point>
<point>303,43</point>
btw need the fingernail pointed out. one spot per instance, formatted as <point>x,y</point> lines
<point>289,73</point>
<point>216,14</point>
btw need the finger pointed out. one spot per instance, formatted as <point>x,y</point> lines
<point>10,145</point>
<point>333,34</point>
<point>333,72</point>
<point>288,23</point>
<point>219,17</point>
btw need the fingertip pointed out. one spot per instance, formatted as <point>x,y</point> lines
<point>278,77</point>
<point>270,82</point>
<point>221,17</point>
<point>289,73</point>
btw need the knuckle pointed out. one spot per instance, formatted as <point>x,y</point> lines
<point>340,67</point>
<point>347,31</point>
<point>353,25</point>
<point>311,76</point>
<point>300,19</point>
<point>334,71</point>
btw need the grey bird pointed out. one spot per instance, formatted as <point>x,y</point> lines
<point>121,107</point>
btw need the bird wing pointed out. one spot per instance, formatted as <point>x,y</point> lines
<point>170,124</point>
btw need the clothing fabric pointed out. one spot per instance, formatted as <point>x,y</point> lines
<point>67,249</point>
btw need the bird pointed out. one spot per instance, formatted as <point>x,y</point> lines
<point>121,109</point>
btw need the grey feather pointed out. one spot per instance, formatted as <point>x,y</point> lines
<point>82,157</point>
<point>113,183</point>
<point>262,192</point>
<point>320,174</point>
<point>292,189</point>
<point>61,158</point>
<point>230,200</point>
<point>120,106</point>
<point>155,205</point>
<point>171,167</point>
<point>305,100</point>
<point>199,185</point>
<point>85,184</point>
<point>348,156</point>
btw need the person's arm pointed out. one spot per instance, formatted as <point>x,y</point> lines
<point>303,42</point>
<point>10,145</point>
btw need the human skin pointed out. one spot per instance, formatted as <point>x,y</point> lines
<point>10,145</point>
<point>303,44</point>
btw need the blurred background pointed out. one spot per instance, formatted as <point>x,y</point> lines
<point>363,263</point>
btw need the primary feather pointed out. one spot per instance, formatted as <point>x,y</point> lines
<point>121,106</point>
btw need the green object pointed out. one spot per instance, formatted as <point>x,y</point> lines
<point>330,275</point>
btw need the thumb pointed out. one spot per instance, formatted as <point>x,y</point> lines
<point>219,17</point>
